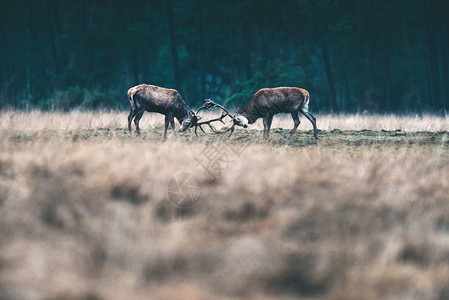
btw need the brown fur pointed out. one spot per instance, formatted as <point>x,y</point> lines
<point>152,98</point>
<point>270,101</point>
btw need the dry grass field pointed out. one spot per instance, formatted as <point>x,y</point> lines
<point>85,211</point>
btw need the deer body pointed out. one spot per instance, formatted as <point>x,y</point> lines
<point>270,101</point>
<point>152,98</point>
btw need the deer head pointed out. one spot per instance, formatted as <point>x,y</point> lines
<point>240,120</point>
<point>193,117</point>
<point>190,121</point>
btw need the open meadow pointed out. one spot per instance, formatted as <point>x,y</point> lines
<point>89,211</point>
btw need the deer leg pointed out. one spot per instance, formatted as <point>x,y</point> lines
<point>270,119</point>
<point>296,123</point>
<point>137,120</point>
<point>131,115</point>
<point>266,126</point>
<point>312,120</point>
<point>172,123</point>
<point>167,121</point>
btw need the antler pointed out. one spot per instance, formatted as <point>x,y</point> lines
<point>225,112</point>
<point>208,123</point>
<point>208,104</point>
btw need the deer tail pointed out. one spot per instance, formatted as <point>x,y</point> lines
<point>305,105</point>
<point>131,100</point>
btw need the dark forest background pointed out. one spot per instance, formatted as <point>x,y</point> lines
<point>351,55</point>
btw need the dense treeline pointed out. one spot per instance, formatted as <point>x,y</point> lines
<point>352,55</point>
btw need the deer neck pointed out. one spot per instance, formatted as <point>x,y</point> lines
<point>182,113</point>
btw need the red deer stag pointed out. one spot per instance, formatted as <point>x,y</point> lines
<point>268,102</point>
<point>168,102</point>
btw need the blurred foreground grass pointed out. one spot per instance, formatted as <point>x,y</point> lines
<point>362,214</point>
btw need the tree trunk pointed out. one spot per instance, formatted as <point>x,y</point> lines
<point>88,14</point>
<point>432,57</point>
<point>51,29</point>
<point>446,71</point>
<point>58,33</point>
<point>201,51</point>
<point>4,62</point>
<point>330,79</point>
<point>135,66</point>
<point>173,45</point>
<point>427,65</point>
<point>232,61</point>
<point>28,57</point>
<point>348,106</point>
<point>387,81</point>
<point>411,74</point>
<point>445,54</point>
<point>145,66</point>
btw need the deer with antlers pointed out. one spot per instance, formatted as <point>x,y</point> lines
<point>265,104</point>
<point>270,101</point>
<point>168,102</point>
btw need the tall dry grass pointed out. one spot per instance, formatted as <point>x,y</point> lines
<point>38,120</point>
<point>91,218</point>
